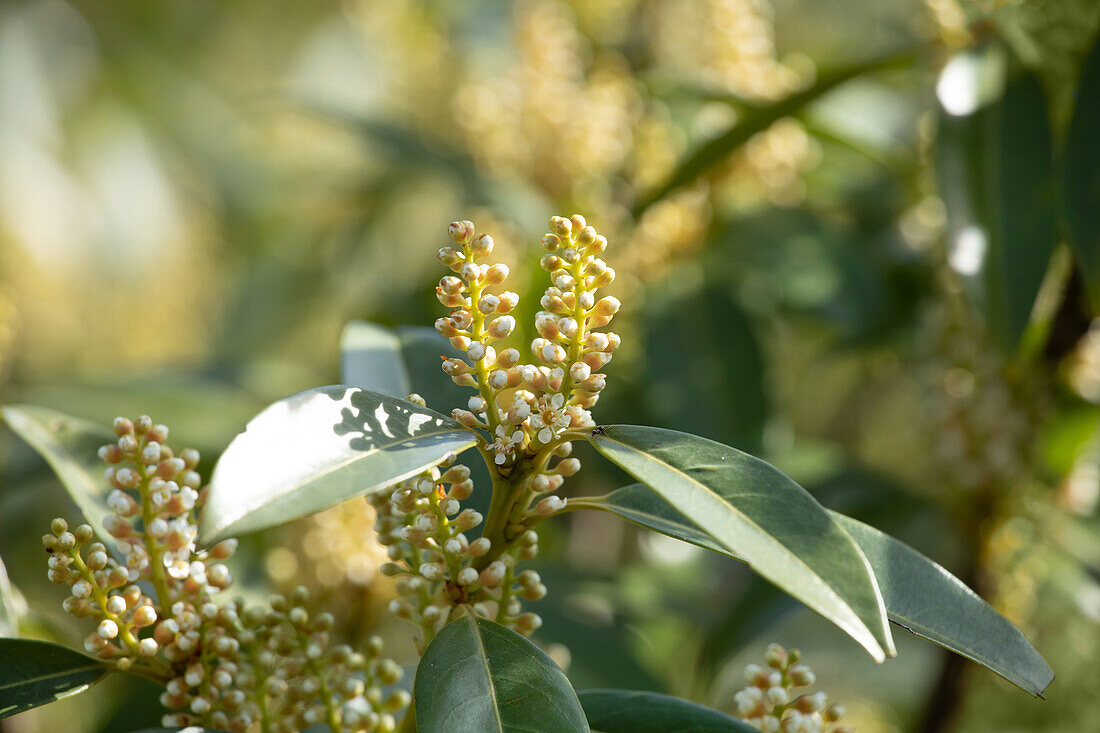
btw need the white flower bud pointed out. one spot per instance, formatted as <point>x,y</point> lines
<point>81,589</point>
<point>550,505</point>
<point>477,404</point>
<point>482,244</point>
<point>145,615</point>
<point>116,604</point>
<point>493,574</point>
<point>480,546</point>
<point>580,371</point>
<point>488,303</point>
<point>470,272</point>
<point>431,571</point>
<point>502,327</point>
<point>552,353</point>
<point>158,528</point>
<point>476,350</point>
<point>108,629</point>
<point>467,576</point>
<point>508,358</point>
<point>777,695</point>
<point>147,647</point>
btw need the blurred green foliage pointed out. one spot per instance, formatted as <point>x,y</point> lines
<point>879,284</point>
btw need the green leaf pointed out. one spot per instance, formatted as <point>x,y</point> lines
<point>919,594</point>
<point>933,604</point>
<point>70,446</point>
<point>758,119</point>
<point>34,673</point>
<point>726,371</point>
<point>995,166</point>
<point>752,509</point>
<point>370,357</point>
<point>188,729</point>
<point>9,605</point>
<point>398,362</point>
<point>628,711</point>
<point>1082,174</point>
<point>478,676</point>
<point>318,448</point>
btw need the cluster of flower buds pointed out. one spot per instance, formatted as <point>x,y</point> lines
<point>769,701</point>
<point>526,407</point>
<point>100,589</point>
<point>159,489</point>
<point>424,528</point>
<point>220,667</point>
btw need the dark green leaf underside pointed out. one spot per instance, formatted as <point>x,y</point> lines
<point>70,446</point>
<point>477,676</point>
<point>34,673</point>
<point>920,595</point>
<point>1082,173</point>
<point>628,711</point>
<point>749,507</point>
<point>995,168</point>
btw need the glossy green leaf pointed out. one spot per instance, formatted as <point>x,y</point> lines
<point>318,448</point>
<point>34,673</point>
<point>628,711</point>
<point>919,594</point>
<point>934,604</point>
<point>477,676</point>
<point>995,165</point>
<point>370,357</point>
<point>70,446</point>
<point>1082,174</point>
<point>752,509</point>
<point>757,119</point>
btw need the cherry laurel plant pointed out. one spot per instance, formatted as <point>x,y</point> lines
<point>155,595</point>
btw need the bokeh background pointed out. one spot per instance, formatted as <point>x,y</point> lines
<point>196,197</point>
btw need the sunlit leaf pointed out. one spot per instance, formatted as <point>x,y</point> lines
<point>995,166</point>
<point>919,594</point>
<point>757,119</point>
<point>752,509</point>
<point>1082,173</point>
<point>628,711</point>
<point>34,673</point>
<point>70,446</point>
<point>188,729</point>
<point>9,605</point>
<point>478,676</point>
<point>320,447</point>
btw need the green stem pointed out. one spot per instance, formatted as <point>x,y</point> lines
<point>124,632</point>
<point>332,712</point>
<point>152,545</point>
<point>481,371</point>
<point>576,344</point>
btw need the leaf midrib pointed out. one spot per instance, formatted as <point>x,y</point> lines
<point>817,578</point>
<point>53,675</point>
<point>484,656</point>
